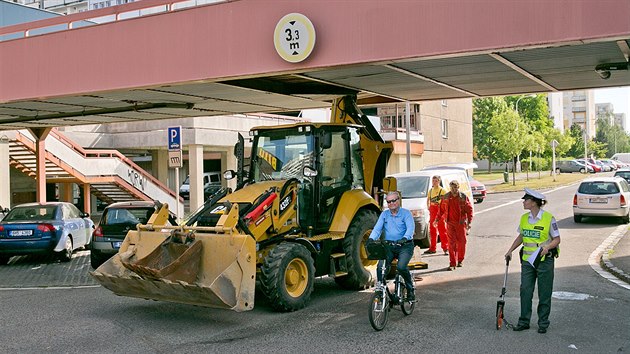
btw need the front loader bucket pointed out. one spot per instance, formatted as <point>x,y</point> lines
<point>170,261</point>
<point>216,270</point>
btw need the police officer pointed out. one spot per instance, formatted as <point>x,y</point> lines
<point>539,235</point>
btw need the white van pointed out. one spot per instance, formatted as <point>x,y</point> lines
<point>414,188</point>
<point>211,180</point>
<point>622,156</point>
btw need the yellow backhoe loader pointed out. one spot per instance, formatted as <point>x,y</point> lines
<point>301,209</point>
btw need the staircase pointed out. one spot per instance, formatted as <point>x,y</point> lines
<point>112,176</point>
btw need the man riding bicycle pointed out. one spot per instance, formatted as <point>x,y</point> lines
<point>398,225</point>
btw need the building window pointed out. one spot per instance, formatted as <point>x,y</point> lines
<point>444,128</point>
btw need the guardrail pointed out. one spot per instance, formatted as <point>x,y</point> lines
<point>83,164</point>
<point>99,16</point>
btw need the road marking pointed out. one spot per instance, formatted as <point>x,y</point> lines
<point>565,295</point>
<point>54,287</point>
<point>518,200</point>
<point>596,256</point>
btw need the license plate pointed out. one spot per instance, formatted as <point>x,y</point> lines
<point>116,245</point>
<point>599,200</point>
<point>21,233</point>
<point>477,193</point>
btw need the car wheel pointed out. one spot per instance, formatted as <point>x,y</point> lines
<point>577,218</point>
<point>4,260</point>
<point>66,254</point>
<point>625,219</point>
<point>557,171</point>
<point>424,241</point>
<point>479,201</point>
<point>582,170</point>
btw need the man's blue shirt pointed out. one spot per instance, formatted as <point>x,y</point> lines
<point>396,227</point>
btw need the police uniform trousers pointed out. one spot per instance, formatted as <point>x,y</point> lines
<point>529,275</point>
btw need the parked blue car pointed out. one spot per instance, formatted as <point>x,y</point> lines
<point>52,227</point>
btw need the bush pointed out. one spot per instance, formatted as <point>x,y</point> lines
<point>538,164</point>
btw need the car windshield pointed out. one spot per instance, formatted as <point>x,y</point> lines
<point>37,212</point>
<point>598,188</point>
<point>413,186</point>
<point>623,174</point>
<point>117,216</point>
<point>281,154</point>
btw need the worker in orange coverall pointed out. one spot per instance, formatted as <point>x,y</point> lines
<point>433,204</point>
<point>456,207</point>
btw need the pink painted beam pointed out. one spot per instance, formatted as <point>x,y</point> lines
<point>235,40</point>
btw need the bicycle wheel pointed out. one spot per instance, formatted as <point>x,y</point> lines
<point>500,305</point>
<point>379,310</point>
<point>406,306</point>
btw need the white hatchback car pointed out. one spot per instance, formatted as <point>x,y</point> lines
<point>602,196</point>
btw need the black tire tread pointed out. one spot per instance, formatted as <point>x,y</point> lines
<point>378,325</point>
<point>272,276</point>
<point>358,277</point>
<point>64,256</point>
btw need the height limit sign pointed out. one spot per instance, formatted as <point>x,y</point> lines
<point>175,147</point>
<point>294,37</point>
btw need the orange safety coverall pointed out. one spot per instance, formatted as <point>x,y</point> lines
<point>458,212</point>
<point>435,196</point>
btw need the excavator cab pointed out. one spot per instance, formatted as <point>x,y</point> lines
<point>323,159</point>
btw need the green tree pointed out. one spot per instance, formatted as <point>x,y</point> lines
<point>577,135</point>
<point>534,111</point>
<point>612,137</point>
<point>565,142</point>
<point>508,130</point>
<point>483,140</point>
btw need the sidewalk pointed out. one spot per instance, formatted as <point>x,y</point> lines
<point>616,259</point>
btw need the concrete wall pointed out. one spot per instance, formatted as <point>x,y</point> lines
<point>457,146</point>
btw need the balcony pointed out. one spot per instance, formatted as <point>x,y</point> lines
<point>397,134</point>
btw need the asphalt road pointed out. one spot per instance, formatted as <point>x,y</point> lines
<point>455,312</point>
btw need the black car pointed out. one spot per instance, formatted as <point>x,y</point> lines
<point>623,173</point>
<point>116,221</point>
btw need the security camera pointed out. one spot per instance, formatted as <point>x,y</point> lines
<point>604,74</point>
<point>603,70</point>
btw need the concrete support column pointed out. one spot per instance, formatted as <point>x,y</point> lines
<point>40,179</point>
<point>93,204</point>
<point>195,171</point>
<point>40,135</point>
<point>87,205</point>
<point>159,166</point>
<point>5,175</point>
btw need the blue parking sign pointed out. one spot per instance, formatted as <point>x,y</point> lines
<point>174,138</point>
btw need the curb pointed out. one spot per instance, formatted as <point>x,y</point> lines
<point>607,264</point>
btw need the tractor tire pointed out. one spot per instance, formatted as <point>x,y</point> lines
<point>356,259</point>
<point>287,276</point>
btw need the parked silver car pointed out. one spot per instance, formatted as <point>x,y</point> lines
<point>602,196</point>
<point>572,166</point>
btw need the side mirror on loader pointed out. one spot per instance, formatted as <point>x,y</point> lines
<point>229,174</point>
<point>309,171</point>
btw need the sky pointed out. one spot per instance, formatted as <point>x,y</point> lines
<point>619,97</point>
